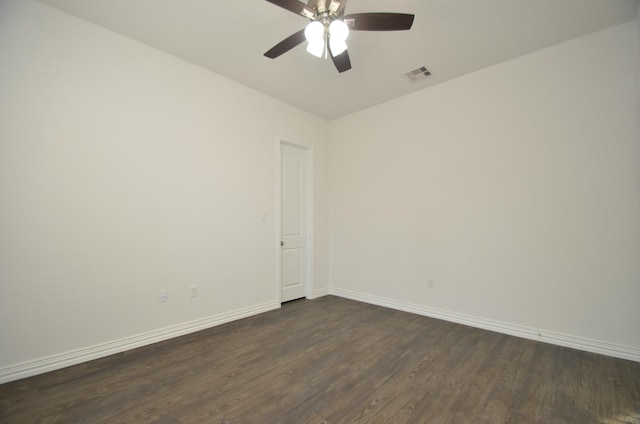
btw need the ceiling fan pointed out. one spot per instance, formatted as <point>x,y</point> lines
<point>329,28</point>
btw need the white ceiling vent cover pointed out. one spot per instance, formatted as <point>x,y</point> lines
<point>418,74</point>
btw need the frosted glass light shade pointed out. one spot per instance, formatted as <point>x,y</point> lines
<point>338,33</point>
<point>316,49</point>
<point>339,30</point>
<point>314,33</point>
<point>337,46</point>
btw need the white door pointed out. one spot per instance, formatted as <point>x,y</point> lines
<point>294,266</point>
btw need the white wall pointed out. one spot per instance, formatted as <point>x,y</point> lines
<point>517,188</point>
<point>124,171</point>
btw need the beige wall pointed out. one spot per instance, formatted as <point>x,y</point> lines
<point>124,171</point>
<point>516,188</point>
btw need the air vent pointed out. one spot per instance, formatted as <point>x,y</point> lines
<point>418,74</point>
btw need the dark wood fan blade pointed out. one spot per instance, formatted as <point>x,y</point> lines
<point>294,6</point>
<point>379,21</point>
<point>285,45</point>
<point>342,61</point>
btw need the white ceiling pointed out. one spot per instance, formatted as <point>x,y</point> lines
<point>450,37</point>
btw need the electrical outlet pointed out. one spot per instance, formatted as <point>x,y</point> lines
<point>194,291</point>
<point>163,296</point>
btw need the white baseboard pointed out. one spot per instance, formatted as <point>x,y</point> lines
<point>595,346</point>
<point>55,362</point>
<point>319,293</point>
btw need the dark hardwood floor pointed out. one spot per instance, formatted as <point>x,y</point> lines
<point>333,360</point>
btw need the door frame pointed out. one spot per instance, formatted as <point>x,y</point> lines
<point>309,216</point>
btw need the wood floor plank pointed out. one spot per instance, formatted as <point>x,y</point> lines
<point>334,361</point>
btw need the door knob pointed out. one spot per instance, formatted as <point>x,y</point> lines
<point>281,243</point>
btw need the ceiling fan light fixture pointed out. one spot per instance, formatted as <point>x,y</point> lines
<point>338,33</point>
<point>338,30</point>
<point>316,49</point>
<point>337,46</point>
<point>314,33</point>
